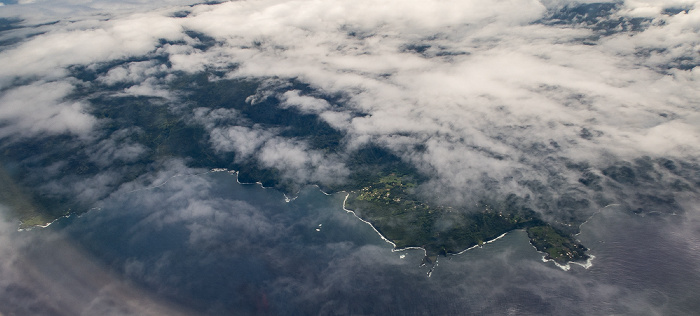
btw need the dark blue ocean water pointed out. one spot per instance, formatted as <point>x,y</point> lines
<point>207,243</point>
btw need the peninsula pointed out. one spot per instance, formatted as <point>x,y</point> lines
<point>391,206</point>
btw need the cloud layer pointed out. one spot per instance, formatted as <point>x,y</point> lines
<point>571,105</point>
<point>480,86</point>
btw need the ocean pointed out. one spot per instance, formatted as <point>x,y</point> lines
<point>206,244</point>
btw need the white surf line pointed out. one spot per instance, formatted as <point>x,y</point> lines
<point>567,266</point>
<point>481,245</point>
<point>237,174</point>
<point>497,238</point>
<point>42,226</point>
<point>378,233</point>
<point>319,188</point>
<point>589,261</point>
<point>212,170</point>
<point>366,222</point>
<point>425,252</point>
<point>430,271</point>
<point>287,199</point>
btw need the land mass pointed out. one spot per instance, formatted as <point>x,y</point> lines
<point>382,185</point>
<point>390,204</point>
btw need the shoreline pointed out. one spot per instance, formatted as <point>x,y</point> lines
<point>413,247</point>
<point>20,229</point>
<point>567,266</point>
<point>287,199</point>
<point>478,246</point>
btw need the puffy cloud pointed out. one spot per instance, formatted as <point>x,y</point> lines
<point>305,104</point>
<point>294,158</point>
<point>296,161</point>
<point>226,136</point>
<point>478,85</point>
<point>42,108</point>
<point>131,73</point>
<point>654,8</point>
<point>481,89</point>
<point>491,93</point>
<point>242,140</point>
<point>87,43</point>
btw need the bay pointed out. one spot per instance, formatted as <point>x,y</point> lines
<point>210,244</point>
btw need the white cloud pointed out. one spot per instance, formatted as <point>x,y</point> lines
<point>653,8</point>
<point>242,140</point>
<point>117,148</point>
<point>479,85</point>
<point>296,161</point>
<point>40,108</point>
<point>149,87</point>
<point>50,54</point>
<point>305,104</point>
<point>131,72</point>
<point>507,64</point>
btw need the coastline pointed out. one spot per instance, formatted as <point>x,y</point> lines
<point>412,248</point>
<point>589,262</point>
<point>476,246</point>
<point>434,261</point>
<point>567,266</point>
<point>29,228</point>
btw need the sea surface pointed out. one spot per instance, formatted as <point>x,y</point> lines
<point>208,245</point>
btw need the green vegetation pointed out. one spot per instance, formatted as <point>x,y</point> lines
<point>34,221</point>
<point>557,246</point>
<point>383,186</point>
<point>391,206</point>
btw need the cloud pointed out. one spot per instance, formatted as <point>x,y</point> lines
<point>296,161</point>
<point>485,99</point>
<point>653,8</point>
<point>501,87</point>
<point>305,104</point>
<point>117,148</point>
<point>89,42</point>
<point>487,90</point>
<point>189,201</point>
<point>668,43</point>
<point>133,72</point>
<point>44,11</point>
<point>86,190</point>
<point>254,247</point>
<point>42,108</point>
<point>242,140</point>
